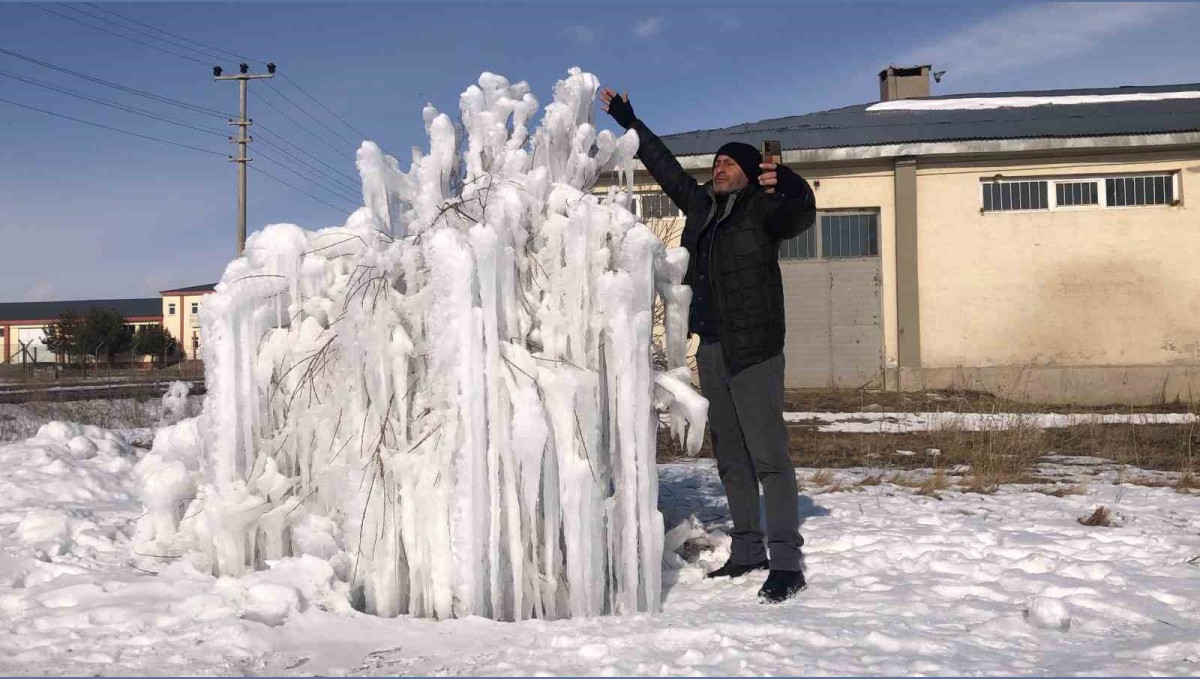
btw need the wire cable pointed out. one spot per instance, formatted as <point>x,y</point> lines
<point>174,35</point>
<point>323,187</point>
<point>337,181</point>
<point>132,90</point>
<point>262,130</point>
<point>112,104</point>
<point>305,112</point>
<point>318,102</point>
<point>114,129</point>
<point>119,35</point>
<point>300,125</point>
<point>123,27</point>
<point>299,190</point>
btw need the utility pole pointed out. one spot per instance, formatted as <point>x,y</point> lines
<point>243,122</point>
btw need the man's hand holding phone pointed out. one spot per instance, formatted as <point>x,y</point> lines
<point>772,155</point>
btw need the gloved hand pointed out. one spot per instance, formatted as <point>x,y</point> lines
<point>618,107</point>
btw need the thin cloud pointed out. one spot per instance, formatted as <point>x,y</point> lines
<point>1028,36</point>
<point>647,28</point>
<point>581,34</point>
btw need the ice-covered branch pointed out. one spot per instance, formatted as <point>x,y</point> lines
<point>451,397</point>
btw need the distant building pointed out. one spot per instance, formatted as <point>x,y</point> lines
<point>23,324</point>
<point>1041,245</point>
<point>180,309</point>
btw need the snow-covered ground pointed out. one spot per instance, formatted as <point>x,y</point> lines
<point>900,583</point>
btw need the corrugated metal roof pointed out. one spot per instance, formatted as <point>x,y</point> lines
<point>855,126</point>
<point>208,287</point>
<point>46,311</point>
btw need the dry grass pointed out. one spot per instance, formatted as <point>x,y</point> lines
<point>1187,482</point>
<point>823,477</point>
<point>1063,490</point>
<point>985,459</point>
<point>958,401</point>
<point>906,480</point>
<point>1100,517</point>
<point>937,481</point>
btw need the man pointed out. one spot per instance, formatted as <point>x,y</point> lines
<point>732,234</point>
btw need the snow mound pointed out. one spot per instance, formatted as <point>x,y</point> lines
<point>450,399</point>
<point>175,403</point>
<point>1048,613</point>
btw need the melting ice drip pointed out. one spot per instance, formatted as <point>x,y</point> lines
<point>458,381</point>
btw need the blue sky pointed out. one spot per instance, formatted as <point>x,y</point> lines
<point>90,213</point>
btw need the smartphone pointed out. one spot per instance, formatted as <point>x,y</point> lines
<point>772,153</point>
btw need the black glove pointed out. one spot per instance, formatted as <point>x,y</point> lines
<point>621,111</point>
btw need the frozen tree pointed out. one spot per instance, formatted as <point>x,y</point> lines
<point>451,397</point>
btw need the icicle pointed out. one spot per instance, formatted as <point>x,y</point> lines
<point>457,382</point>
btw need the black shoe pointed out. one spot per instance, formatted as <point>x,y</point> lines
<point>734,570</point>
<point>781,586</point>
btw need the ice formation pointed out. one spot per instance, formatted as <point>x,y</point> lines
<point>451,398</point>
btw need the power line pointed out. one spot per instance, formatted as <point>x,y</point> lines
<point>319,185</point>
<point>123,27</point>
<point>115,129</point>
<point>141,93</point>
<point>324,175</point>
<point>262,130</point>
<point>112,104</point>
<point>174,35</point>
<point>300,125</point>
<point>268,174</point>
<point>212,53</point>
<point>305,112</point>
<point>119,35</point>
<point>318,102</point>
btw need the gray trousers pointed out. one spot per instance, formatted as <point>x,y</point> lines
<point>745,418</point>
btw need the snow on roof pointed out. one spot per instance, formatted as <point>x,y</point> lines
<point>983,103</point>
<point>1097,112</point>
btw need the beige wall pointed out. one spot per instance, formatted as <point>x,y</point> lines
<point>12,335</point>
<point>1090,304</point>
<point>1094,286</point>
<point>183,324</point>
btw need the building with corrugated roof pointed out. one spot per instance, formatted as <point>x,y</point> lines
<point>23,324</point>
<point>1040,245</point>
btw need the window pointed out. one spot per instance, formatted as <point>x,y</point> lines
<point>855,235</point>
<point>1074,192</point>
<point>1002,196</point>
<point>838,235</point>
<point>195,307</point>
<point>803,246</point>
<point>655,206</point>
<point>1147,190</point>
<point>170,309</point>
<point>1070,194</point>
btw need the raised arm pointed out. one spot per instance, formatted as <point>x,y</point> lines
<point>681,187</point>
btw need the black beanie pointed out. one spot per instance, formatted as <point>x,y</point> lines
<point>746,156</point>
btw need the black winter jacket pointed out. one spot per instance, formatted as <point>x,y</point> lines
<point>744,259</point>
